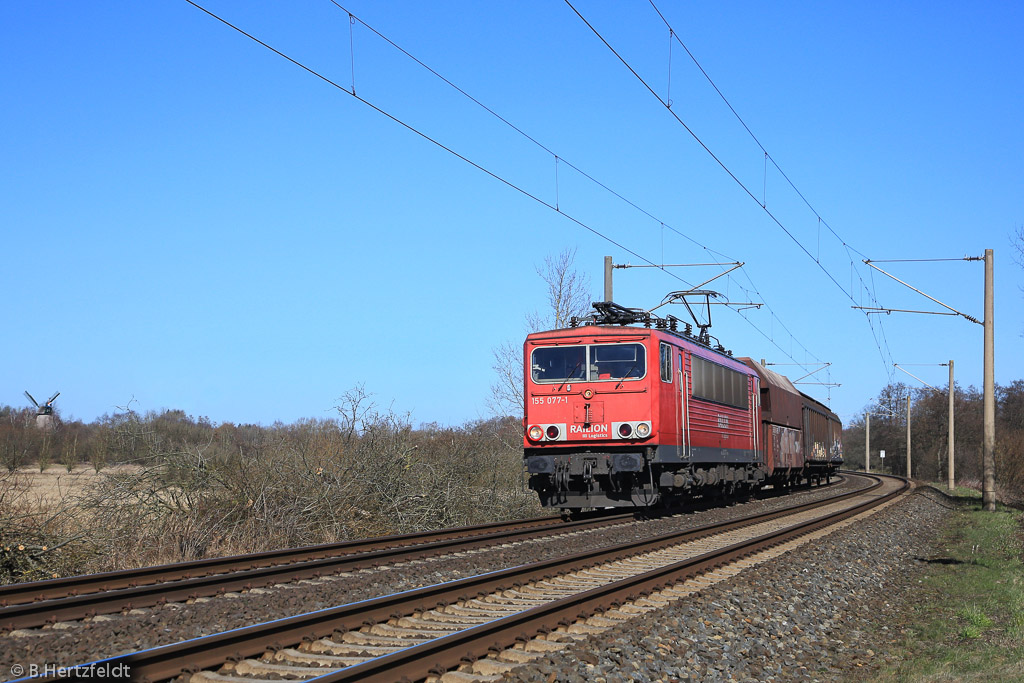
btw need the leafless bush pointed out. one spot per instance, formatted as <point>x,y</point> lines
<point>38,540</point>
<point>198,490</point>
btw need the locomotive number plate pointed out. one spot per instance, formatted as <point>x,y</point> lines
<point>548,400</point>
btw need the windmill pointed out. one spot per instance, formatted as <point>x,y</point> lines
<point>44,413</point>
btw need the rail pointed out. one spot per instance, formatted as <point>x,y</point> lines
<point>448,651</point>
<point>117,591</point>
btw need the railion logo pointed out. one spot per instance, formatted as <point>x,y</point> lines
<point>592,429</point>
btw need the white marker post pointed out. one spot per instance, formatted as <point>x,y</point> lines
<point>881,454</point>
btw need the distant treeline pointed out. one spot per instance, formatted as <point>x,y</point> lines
<point>929,435</point>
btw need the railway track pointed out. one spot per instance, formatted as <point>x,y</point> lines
<point>430,631</point>
<point>90,583</point>
<point>31,605</point>
<point>36,604</point>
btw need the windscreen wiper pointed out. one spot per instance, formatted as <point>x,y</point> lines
<point>571,373</point>
<point>624,377</point>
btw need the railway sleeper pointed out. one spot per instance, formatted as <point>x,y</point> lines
<point>463,617</point>
<point>543,645</point>
<point>514,656</point>
<point>429,626</point>
<point>604,574</point>
<point>364,638</point>
<point>316,659</point>
<point>485,611</point>
<point>546,591</point>
<point>585,629</point>
<point>333,647</point>
<point>612,617</point>
<point>466,677</point>
<point>519,597</point>
<point>489,666</point>
<point>212,677</point>
<point>410,633</point>
<point>494,602</point>
<point>578,585</point>
<point>257,667</point>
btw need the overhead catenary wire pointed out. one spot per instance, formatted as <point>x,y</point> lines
<point>849,293</point>
<point>559,160</point>
<point>675,36</point>
<point>925,260</point>
<point>707,149</point>
<point>426,137</point>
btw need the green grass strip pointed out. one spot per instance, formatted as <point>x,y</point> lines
<point>966,622</point>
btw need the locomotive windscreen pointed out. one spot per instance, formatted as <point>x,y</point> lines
<point>588,363</point>
<point>559,364</point>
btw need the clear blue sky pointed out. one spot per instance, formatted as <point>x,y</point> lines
<point>192,222</point>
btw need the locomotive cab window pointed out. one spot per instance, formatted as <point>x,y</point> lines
<point>588,363</point>
<point>666,362</point>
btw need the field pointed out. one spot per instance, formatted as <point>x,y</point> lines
<point>56,486</point>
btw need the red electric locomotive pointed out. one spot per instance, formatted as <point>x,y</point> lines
<point>619,414</point>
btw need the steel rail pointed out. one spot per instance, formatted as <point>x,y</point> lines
<point>28,605</point>
<point>129,578</point>
<point>72,607</point>
<point>169,661</point>
<point>448,652</point>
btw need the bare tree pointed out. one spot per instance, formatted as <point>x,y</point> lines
<point>568,296</point>
<point>507,388</point>
<point>568,293</point>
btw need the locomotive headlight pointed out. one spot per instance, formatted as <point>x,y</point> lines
<point>625,429</point>
<point>552,432</point>
<point>535,433</point>
<point>588,394</point>
<point>643,429</point>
